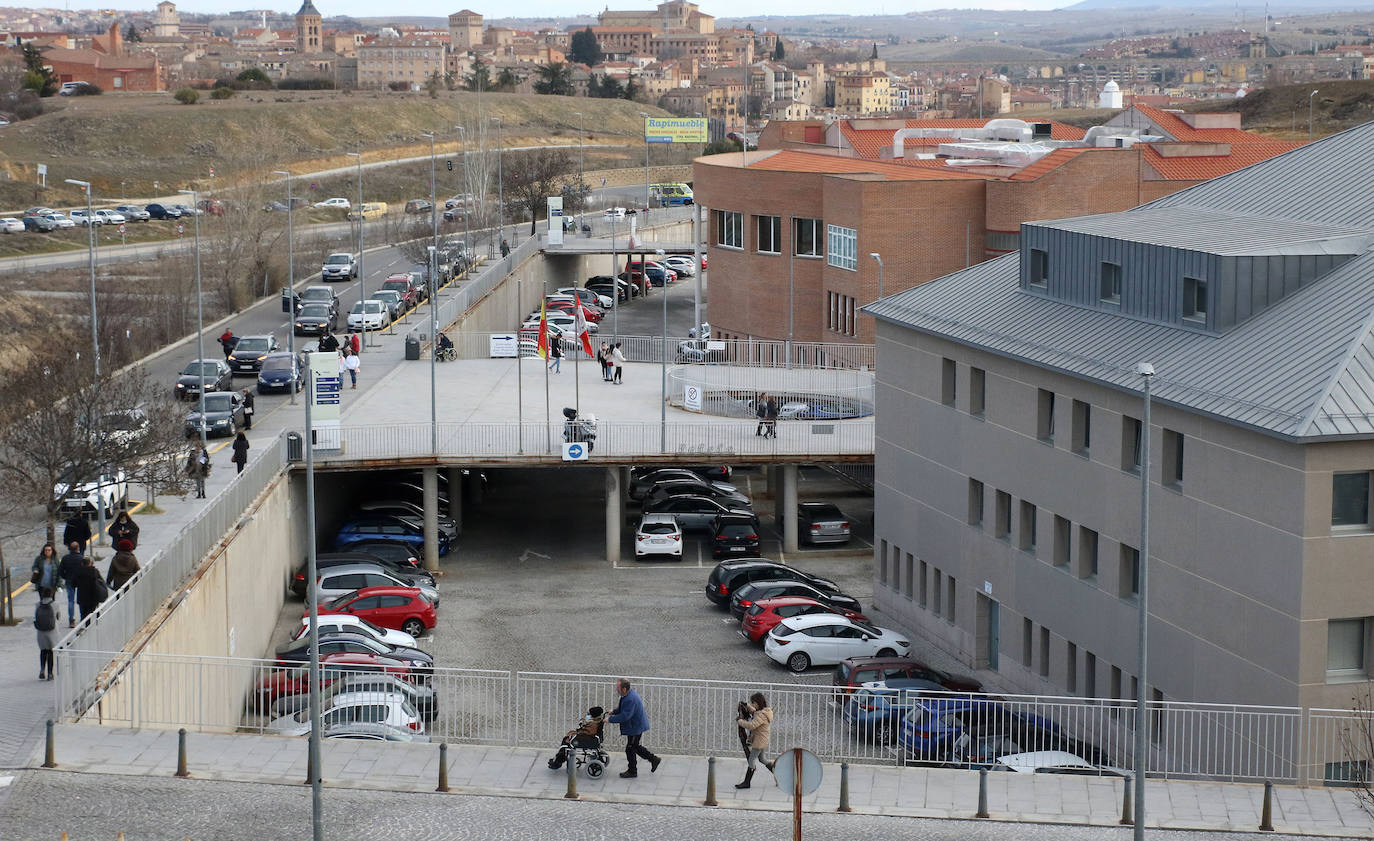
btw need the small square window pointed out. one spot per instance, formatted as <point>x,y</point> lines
<point>1346,643</point>
<point>769,234</point>
<point>1111,283</point>
<point>948,374</point>
<point>1002,525</point>
<point>1194,299</point>
<point>975,503</point>
<point>1350,501</point>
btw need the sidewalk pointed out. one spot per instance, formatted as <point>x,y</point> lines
<point>681,781</point>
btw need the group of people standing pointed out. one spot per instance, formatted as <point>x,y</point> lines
<point>766,409</point>
<point>612,360</point>
<point>348,351</point>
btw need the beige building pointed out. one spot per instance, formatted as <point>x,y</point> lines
<point>309,29</point>
<point>863,94</point>
<point>167,21</point>
<point>464,30</point>
<point>412,61</point>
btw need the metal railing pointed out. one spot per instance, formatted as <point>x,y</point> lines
<point>695,717</point>
<point>801,393</point>
<point>738,353</point>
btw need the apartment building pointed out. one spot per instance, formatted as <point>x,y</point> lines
<point>412,61</point>
<point>1009,444</point>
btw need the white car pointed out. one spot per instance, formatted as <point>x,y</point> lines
<point>658,534</point>
<point>110,217</point>
<point>824,640</point>
<point>60,219</point>
<point>341,203</point>
<point>615,212</point>
<point>565,323</point>
<point>1054,762</point>
<point>109,489</point>
<point>369,315</point>
<point>343,623</point>
<point>10,225</point>
<point>681,265</point>
<point>352,707</point>
<point>81,218</point>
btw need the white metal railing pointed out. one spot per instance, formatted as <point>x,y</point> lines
<point>695,717</point>
<point>739,353</point>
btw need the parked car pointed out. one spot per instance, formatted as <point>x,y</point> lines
<point>392,710</point>
<point>280,372</point>
<point>110,217</point>
<point>834,408</point>
<point>666,489</point>
<point>295,680</point>
<point>337,623</point>
<point>1055,762</point>
<point>12,225</point>
<point>339,266</point>
<point>371,731</point>
<point>163,211</point>
<point>320,295</point>
<point>214,372</point>
<point>41,224</point>
<point>657,273</point>
<point>315,320</point>
<point>692,512</point>
<point>733,536</point>
<point>73,88</point>
<point>658,534</point>
<point>588,297</point>
<point>275,206</point>
<point>406,508</point>
<point>214,207</point>
<point>973,731</point>
<point>419,206</point>
<point>60,219</point>
<point>763,614</point>
<point>248,355</point>
<point>38,211</point>
<point>224,414</point>
<point>341,203</point>
<point>682,264</point>
<point>395,307</point>
<point>567,306</point>
<point>875,711</point>
<point>419,281</point>
<point>187,210</point>
<point>121,427</point>
<point>368,210</point>
<point>744,597</point>
<point>134,213</point>
<point>406,568</point>
<point>856,671</point>
<point>805,641</point>
<point>602,285</point>
<point>728,576</point>
<point>420,696</point>
<point>400,284</point>
<point>368,315</point>
<point>336,581</point>
<point>298,650</point>
<point>402,608</point>
<point>105,492</point>
<point>386,527</point>
<point>698,350</point>
<point>821,522</point>
<point>643,480</point>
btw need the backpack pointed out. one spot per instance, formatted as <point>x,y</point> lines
<point>45,618</point>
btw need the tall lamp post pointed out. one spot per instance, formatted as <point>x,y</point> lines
<point>90,253</point>
<point>1146,371</point>
<point>581,161</point>
<point>433,215</point>
<point>434,343</point>
<point>500,181</point>
<point>312,571</point>
<point>1309,115</point>
<point>467,205</point>
<point>362,276</point>
<point>291,275</point>
<point>876,256</point>
<point>200,317</point>
<point>646,172</point>
<point>663,403</point>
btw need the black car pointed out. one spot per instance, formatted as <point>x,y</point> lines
<point>729,576</point>
<point>392,552</point>
<point>405,508</point>
<point>223,415</point>
<point>41,224</point>
<point>744,597</point>
<point>298,650</point>
<point>664,490</point>
<point>162,211</point>
<point>217,377</point>
<point>692,512</point>
<point>735,537</point>
<point>402,569</point>
<point>642,480</point>
<point>248,354</point>
<point>602,285</point>
<point>316,320</point>
<point>320,295</point>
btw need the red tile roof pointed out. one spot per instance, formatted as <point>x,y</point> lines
<point>869,142</point>
<point>792,160</point>
<point>1203,167</point>
<point>1181,131</point>
<point>1050,162</point>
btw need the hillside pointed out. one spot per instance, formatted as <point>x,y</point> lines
<point>1282,111</point>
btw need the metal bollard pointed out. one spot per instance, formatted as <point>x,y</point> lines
<point>181,754</point>
<point>50,749</point>
<point>1127,811</point>
<point>1267,812</point>
<point>571,793</point>
<point>443,767</point>
<point>982,794</point>
<point>844,788</point>
<point>309,767</point>
<point>710,782</point>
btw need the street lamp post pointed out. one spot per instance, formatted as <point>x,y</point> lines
<point>663,402</point>
<point>467,205</point>
<point>291,276</point>
<point>1146,371</point>
<point>500,181</point>
<point>646,172</point>
<point>433,217</point>
<point>362,276</point>
<point>434,344</point>
<point>581,162</point>
<point>1309,115</point>
<point>876,256</point>
<point>312,571</point>
<point>200,317</point>
<point>90,253</point>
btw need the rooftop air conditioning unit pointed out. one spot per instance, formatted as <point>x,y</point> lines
<point>1041,130</point>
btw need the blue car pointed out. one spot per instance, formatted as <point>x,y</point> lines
<point>972,732</point>
<point>875,711</point>
<point>386,527</point>
<point>280,371</point>
<point>161,211</point>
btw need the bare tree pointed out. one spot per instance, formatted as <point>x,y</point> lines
<point>531,177</point>
<point>1357,744</point>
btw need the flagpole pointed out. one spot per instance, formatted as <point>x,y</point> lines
<point>543,350</point>
<point>548,436</point>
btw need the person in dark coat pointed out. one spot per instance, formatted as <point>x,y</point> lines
<point>240,451</point>
<point>329,343</point>
<point>45,569</point>
<point>555,354</point>
<point>505,248</point>
<point>45,622</point>
<point>90,588</point>
<point>122,566</point>
<point>70,570</point>
<point>247,408</point>
<point>123,528</point>
<point>634,723</point>
<point>228,341</point>
<point>78,531</point>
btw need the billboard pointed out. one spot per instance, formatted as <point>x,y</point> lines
<point>674,129</point>
<point>555,220</point>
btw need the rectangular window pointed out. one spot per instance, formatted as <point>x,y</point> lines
<point>1081,427</point>
<point>977,396</point>
<point>1194,299</point>
<point>1171,465</point>
<point>851,323</point>
<point>1044,652</point>
<point>1027,643</point>
<point>1087,552</point>
<point>1002,523</point>
<point>1044,416</point>
<point>882,562</point>
<point>1027,533</point>
<point>975,503</point>
<point>1350,501</point>
<point>910,570</point>
<point>937,586</point>
<point>896,569</point>
<point>1062,530</point>
<point>842,247</point>
<point>1116,682</point>
<point>833,321</point>
<point>1128,578</point>
<point>1071,669</point>
<point>729,229</point>
<point>808,238</point>
<point>1130,444</point>
<point>948,374</point>
<point>1039,267</point>
<point>921,585</point>
<point>951,601</point>
<point>769,234</point>
<point>1346,642</point>
<point>1089,675</point>
<point>1110,278</point>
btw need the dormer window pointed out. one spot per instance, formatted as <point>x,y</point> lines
<point>1194,300</point>
<point>1039,267</point>
<point>1111,283</point>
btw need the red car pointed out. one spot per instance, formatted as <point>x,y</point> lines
<point>764,614</point>
<point>401,608</point>
<point>594,316</point>
<point>400,284</point>
<point>293,681</point>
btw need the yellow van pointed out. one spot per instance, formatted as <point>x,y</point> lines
<point>369,210</point>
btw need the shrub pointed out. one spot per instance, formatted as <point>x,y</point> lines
<point>187,96</point>
<point>221,93</point>
<point>399,86</point>
<point>310,84</point>
<point>86,89</point>
<point>255,76</point>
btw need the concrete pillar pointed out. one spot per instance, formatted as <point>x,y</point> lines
<point>473,491</point>
<point>774,473</point>
<point>455,496</point>
<point>431,500</point>
<point>614,515</point>
<point>789,507</point>
<point>624,485</point>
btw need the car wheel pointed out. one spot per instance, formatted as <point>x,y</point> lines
<point>887,652</point>
<point>799,662</point>
<point>414,627</point>
<point>233,429</point>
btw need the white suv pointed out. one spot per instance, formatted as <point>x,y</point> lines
<point>80,217</point>
<point>341,266</point>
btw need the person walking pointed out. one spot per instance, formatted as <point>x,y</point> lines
<point>603,357</point>
<point>122,566</point>
<point>70,570</point>
<point>556,354</point>
<point>770,420</point>
<point>90,588</point>
<point>761,411</point>
<point>355,344</point>
<point>198,468</point>
<point>352,364</point>
<point>329,343</point>
<point>759,723</point>
<point>247,408</point>
<point>123,528</point>
<point>240,451</point>
<point>505,248</point>
<point>77,530</point>
<point>228,341</point>
<point>618,360</point>
<point>634,723</point>
<point>45,622</point>
<point>46,569</point>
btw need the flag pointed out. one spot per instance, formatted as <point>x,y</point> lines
<point>580,326</point>
<point>543,330</point>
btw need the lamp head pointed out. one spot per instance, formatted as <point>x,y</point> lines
<point>1145,369</point>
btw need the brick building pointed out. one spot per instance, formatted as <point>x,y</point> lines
<point>399,60</point>
<point>106,64</point>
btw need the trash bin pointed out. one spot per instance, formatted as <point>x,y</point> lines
<point>412,346</point>
<point>295,446</point>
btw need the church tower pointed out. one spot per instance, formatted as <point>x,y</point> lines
<point>309,25</point>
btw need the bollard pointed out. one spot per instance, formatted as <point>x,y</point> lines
<point>443,767</point>
<point>844,788</point>
<point>181,754</point>
<point>50,750</point>
<point>982,793</point>
<point>1267,812</point>
<point>571,793</point>
<point>710,782</point>
<point>1127,811</point>
<point>309,767</point>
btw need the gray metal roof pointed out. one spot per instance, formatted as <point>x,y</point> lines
<point>1218,232</point>
<point>1302,369</point>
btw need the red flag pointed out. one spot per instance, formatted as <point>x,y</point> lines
<point>543,330</point>
<point>580,326</point>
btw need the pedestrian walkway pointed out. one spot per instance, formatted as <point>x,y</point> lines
<point>681,781</point>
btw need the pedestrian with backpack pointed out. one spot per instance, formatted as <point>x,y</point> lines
<point>90,589</point>
<point>45,622</point>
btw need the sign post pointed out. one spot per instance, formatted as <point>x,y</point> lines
<point>799,771</point>
<point>555,204</point>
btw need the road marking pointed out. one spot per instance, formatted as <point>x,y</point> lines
<point>5,781</point>
<point>528,553</point>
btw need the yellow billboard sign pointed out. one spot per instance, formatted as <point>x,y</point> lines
<point>674,129</point>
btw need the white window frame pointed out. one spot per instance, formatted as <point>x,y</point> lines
<point>1349,673</point>
<point>842,247</point>
<point>730,229</point>
<point>817,227</point>
<point>773,225</point>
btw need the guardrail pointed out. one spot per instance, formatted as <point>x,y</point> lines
<point>1235,743</point>
<point>739,353</point>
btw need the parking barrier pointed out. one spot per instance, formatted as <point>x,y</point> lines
<point>982,794</point>
<point>443,767</point>
<point>181,754</point>
<point>844,788</point>
<point>710,782</point>
<point>49,750</point>
<point>571,793</point>
<point>1267,810</point>
<point>1127,811</point>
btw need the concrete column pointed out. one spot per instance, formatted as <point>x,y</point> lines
<point>789,507</point>
<point>624,485</point>
<point>431,500</point>
<point>473,491</point>
<point>774,473</point>
<point>455,496</point>
<point>614,515</point>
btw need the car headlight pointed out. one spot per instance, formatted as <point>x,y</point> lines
<point>904,643</point>
<point>262,379</point>
<point>181,386</point>
<point>222,422</point>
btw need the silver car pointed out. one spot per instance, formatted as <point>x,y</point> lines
<point>341,580</point>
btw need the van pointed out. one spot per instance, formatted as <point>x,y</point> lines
<point>369,210</point>
<point>675,194</point>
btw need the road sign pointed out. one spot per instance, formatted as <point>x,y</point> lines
<point>692,398</point>
<point>181,229</point>
<point>785,771</point>
<point>575,451</point>
<point>121,227</point>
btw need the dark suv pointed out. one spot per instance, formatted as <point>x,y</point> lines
<point>729,576</point>
<point>859,670</point>
<point>735,537</point>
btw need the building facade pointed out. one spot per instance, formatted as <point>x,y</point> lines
<point>464,30</point>
<point>309,29</point>
<point>412,61</point>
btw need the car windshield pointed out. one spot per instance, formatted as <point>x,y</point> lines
<point>386,295</point>
<point>338,603</point>
<point>317,294</point>
<point>658,528</point>
<point>218,402</point>
<point>120,421</point>
<point>277,363</point>
<point>337,259</point>
<point>314,311</point>
<point>868,629</point>
<point>252,345</point>
<point>198,369</point>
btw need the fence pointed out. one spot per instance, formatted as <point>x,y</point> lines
<point>695,717</point>
<point>801,393</point>
<point>738,353</point>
